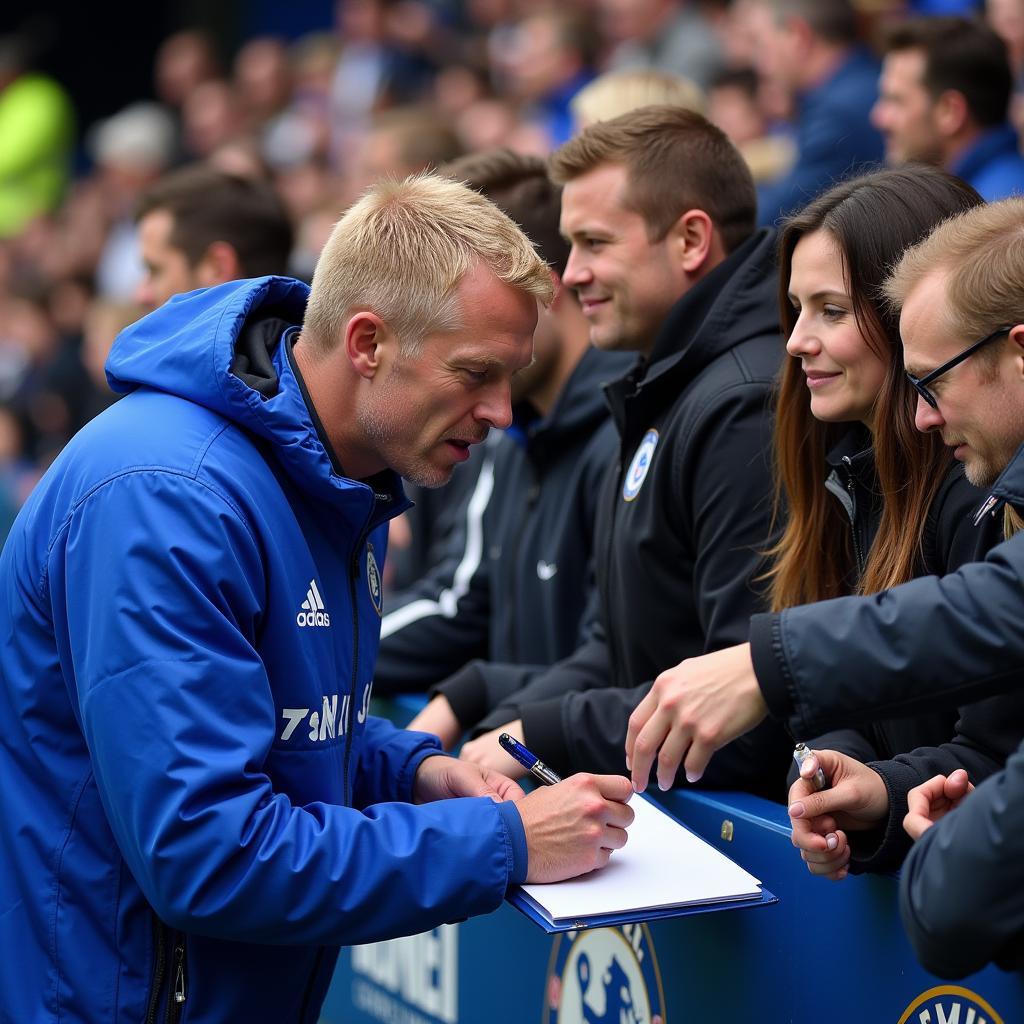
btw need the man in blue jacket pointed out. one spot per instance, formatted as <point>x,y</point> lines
<point>944,98</point>
<point>198,808</point>
<point>930,643</point>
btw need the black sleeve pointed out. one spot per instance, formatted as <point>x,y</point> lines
<point>586,668</point>
<point>481,686</point>
<point>962,888</point>
<point>929,643</point>
<point>986,735</point>
<point>443,621</point>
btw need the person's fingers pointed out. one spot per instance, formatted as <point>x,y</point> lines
<point>669,758</point>
<point>921,798</point>
<point>614,838</point>
<point>637,720</point>
<point>648,742</point>
<point>697,758</point>
<point>614,787</point>
<point>804,837</point>
<point>956,785</point>
<point>814,804</point>
<point>502,786</point>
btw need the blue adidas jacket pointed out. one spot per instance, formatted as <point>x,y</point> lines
<point>195,802</point>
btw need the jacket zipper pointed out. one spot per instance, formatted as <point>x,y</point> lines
<point>159,966</point>
<point>850,486</point>
<point>354,679</point>
<point>176,991</point>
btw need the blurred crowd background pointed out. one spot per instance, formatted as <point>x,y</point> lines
<point>318,100</point>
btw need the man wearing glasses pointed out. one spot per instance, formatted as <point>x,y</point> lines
<point>951,640</point>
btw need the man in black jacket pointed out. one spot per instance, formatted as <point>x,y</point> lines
<point>929,642</point>
<point>659,208</point>
<point>512,588</point>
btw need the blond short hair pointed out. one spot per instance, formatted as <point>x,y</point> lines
<point>402,250</point>
<point>619,92</point>
<point>982,251</point>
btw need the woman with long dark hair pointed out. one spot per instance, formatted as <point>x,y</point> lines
<point>868,501</point>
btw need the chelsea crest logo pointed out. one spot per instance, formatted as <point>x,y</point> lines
<point>637,472</point>
<point>373,580</point>
<point>604,976</point>
<point>945,1003</point>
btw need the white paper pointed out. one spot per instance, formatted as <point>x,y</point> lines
<point>663,864</point>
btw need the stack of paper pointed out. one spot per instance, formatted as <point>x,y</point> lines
<point>662,866</point>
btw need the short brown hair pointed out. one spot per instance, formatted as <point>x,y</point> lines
<point>982,251</point>
<point>962,54</point>
<point>209,205</point>
<point>676,160</point>
<point>519,185</point>
<point>835,21</point>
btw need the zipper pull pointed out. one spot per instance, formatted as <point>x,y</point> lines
<point>179,974</point>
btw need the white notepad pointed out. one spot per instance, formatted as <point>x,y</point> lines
<point>662,865</point>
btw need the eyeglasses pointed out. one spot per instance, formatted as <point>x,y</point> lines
<point>921,383</point>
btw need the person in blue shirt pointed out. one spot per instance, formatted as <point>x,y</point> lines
<point>943,99</point>
<point>812,50</point>
<point>198,808</point>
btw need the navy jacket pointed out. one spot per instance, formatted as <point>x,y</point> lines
<point>834,137</point>
<point>993,164</point>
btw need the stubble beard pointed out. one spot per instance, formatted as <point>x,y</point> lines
<point>380,424</point>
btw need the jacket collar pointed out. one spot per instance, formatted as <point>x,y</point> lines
<point>1007,490</point>
<point>734,303</point>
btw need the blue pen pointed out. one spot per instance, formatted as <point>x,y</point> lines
<point>531,762</point>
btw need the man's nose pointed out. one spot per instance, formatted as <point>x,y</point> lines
<point>497,409</point>
<point>927,417</point>
<point>576,272</point>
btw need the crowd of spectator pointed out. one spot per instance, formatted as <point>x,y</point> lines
<point>389,89</point>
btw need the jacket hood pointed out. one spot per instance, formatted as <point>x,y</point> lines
<point>580,407</point>
<point>221,348</point>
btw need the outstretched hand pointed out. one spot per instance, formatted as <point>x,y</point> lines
<point>692,710</point>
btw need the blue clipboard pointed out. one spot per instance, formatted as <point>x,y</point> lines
<point>518,899</point>
<point>524,903</point>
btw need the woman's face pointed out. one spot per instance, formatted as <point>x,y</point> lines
<point>844,376</point>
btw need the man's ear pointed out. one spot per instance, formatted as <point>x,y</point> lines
<point>692,238</point>
<point>365,338</point>
<point>1017,341</point>
<point>218,264</point>
<point>950,113</point>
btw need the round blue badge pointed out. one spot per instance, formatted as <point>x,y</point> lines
<point>950,1003</point>
<point>604,976</point>
<point>637,472</point>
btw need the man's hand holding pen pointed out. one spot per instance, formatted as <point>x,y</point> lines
<point>573,827</point>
